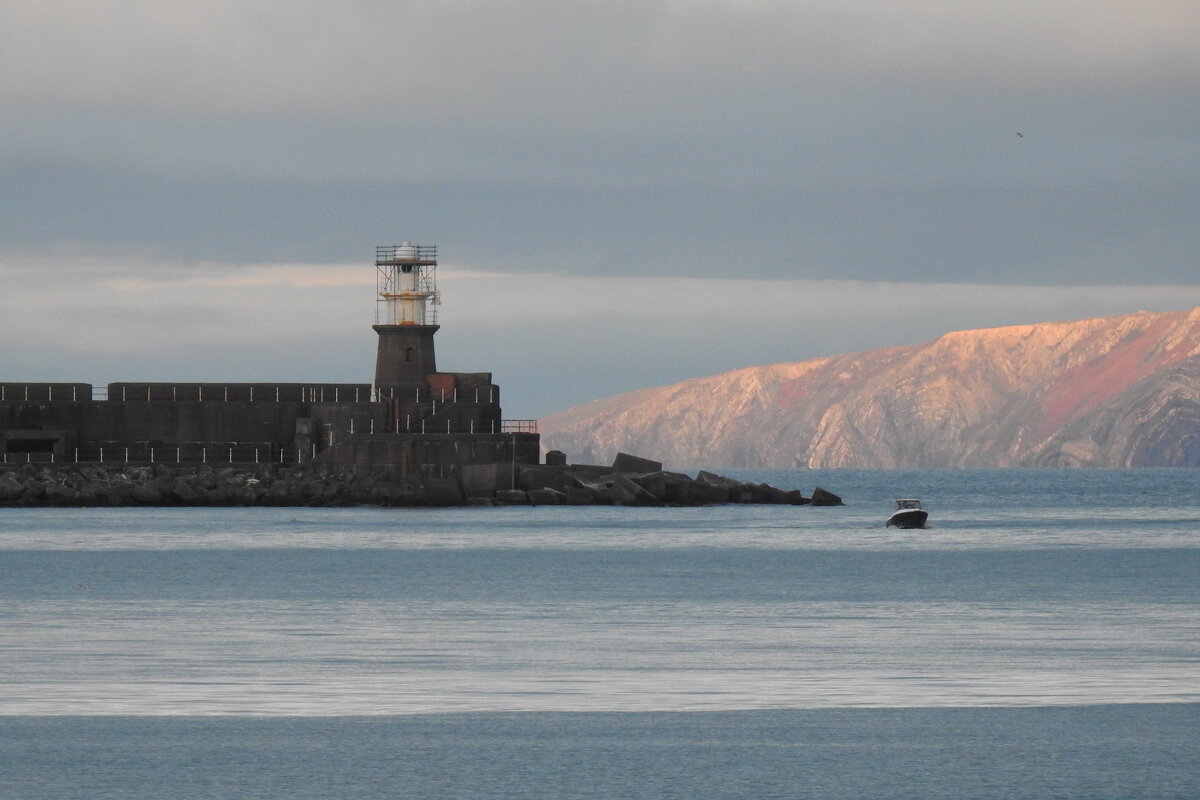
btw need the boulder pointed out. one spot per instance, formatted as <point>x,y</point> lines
<point>283,492</point>
<point>820,497</point>
<point>57,494</point>
<point>219,495</point>
<point>205,479</point>
<point>183,493</point>
<point>116,493</point>
<point>93,473</point>
<point>35,491</point>
<point>10,488</point>
<point>512,497</point>
<point>139,474</point>
<point>147,494</point>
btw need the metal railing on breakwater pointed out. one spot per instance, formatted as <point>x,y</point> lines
<point>183,454</point>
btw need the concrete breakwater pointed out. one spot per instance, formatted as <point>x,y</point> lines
<point>120,484</point>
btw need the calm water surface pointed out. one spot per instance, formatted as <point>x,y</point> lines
<point>1042,639</point>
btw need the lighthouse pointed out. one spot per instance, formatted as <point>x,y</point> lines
<point>405,316</point>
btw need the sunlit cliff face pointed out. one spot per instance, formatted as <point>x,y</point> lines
<point>1106,392</point>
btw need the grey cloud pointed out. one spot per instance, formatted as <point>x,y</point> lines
<point>1097,232</point>
<point>566,64</point>
<point>818,139</point>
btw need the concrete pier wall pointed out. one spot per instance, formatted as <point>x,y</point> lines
<point>432,428</point>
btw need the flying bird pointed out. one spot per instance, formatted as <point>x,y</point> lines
<point>1020,134</point>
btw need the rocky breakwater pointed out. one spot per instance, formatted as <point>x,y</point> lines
<point>64,485</point>
<point>630,481</point>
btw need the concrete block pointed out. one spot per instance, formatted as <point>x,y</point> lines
<point>530,479</point>
<point>442,492</point>
<point>580,496</point>
<point>626,492</point>
<point>635,464</point>
<point>484,480</point>
<point>795,498</point>
<point>696,493</point>
<point>588,473</point>
<point>546,497</point>
<point>655,483</point>
<point>713,479</point>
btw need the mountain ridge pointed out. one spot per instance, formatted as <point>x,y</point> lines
<point>1116,391</point>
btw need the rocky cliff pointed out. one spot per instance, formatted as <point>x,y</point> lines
<point>1108,392</point>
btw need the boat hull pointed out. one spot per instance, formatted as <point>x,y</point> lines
<point>908,518</point>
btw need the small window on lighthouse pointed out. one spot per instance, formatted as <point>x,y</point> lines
<point>408,354</point>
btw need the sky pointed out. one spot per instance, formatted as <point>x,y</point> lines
<point>624,194</point>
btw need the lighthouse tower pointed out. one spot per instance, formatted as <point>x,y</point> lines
<point>405,316</point>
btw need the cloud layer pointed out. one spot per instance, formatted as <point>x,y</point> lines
<point>647,153</point>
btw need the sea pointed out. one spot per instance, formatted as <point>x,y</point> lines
<point>1040,639</point>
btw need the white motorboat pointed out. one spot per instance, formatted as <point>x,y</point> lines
<point>908,514</point>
